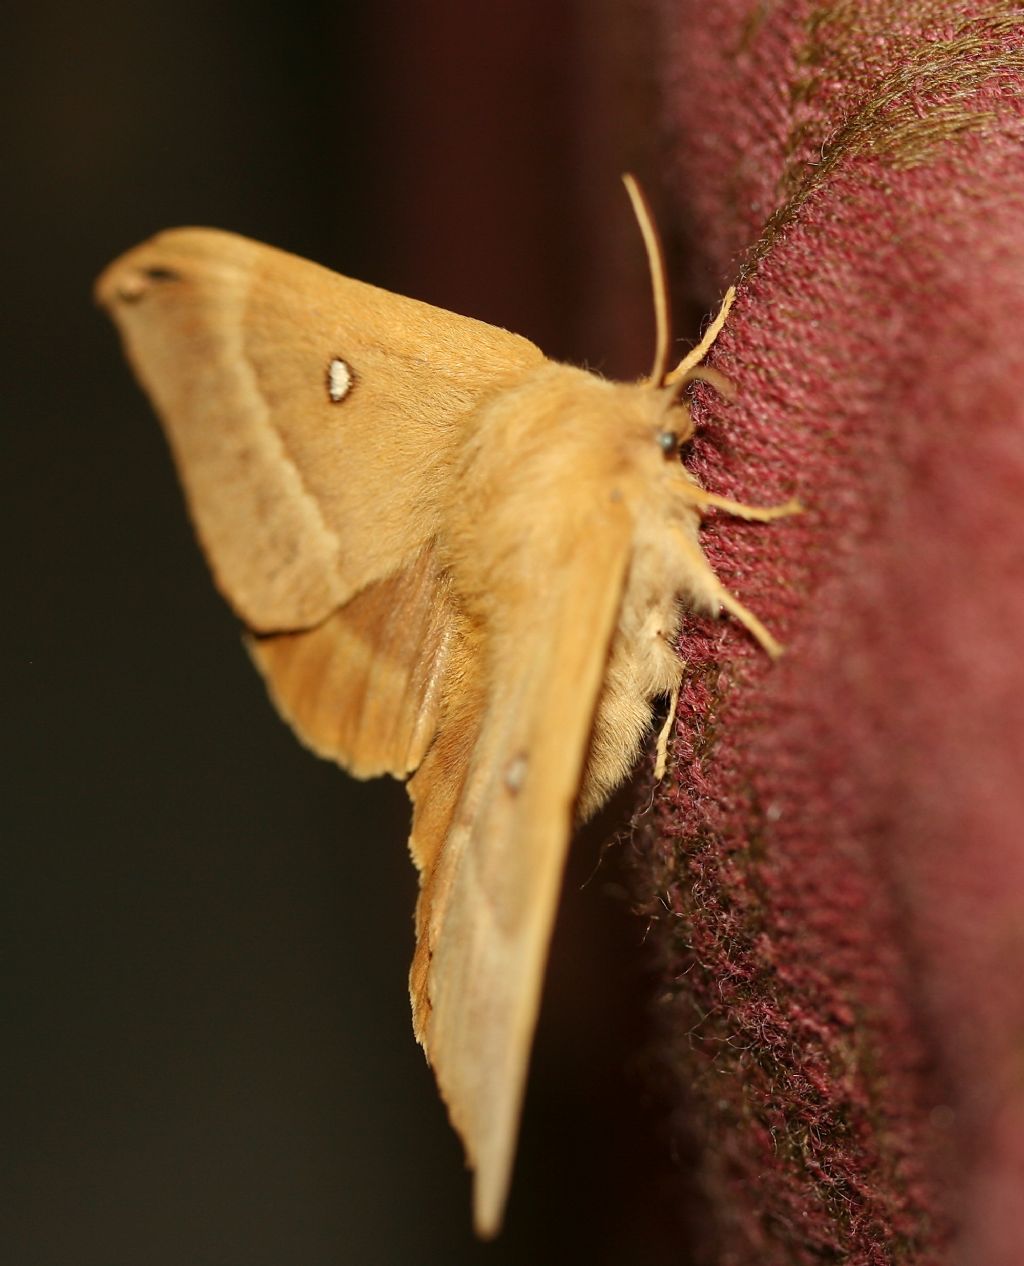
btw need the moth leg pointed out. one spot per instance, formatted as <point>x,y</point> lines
<point>661,758</point>
<point>716,591</point>
<point>749,621</point>
<point>760,514</point>
<point>694,357</point>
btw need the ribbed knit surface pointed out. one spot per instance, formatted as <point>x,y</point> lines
<point>838,864</point>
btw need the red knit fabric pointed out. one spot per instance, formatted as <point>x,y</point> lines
<point>839,868</point>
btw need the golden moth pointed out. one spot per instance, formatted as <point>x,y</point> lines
<point>455,559</point>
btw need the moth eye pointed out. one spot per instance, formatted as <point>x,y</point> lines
<point>668,442</point>
<point>339,379</point>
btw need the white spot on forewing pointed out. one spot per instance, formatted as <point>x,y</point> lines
<point>339,379</point>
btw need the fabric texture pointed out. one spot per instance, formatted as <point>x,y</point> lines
<point>836,869</point>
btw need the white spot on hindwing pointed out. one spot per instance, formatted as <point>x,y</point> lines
<point>515,773</point>
<point>339,380</point>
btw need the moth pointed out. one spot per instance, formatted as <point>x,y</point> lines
<point>454,559</point>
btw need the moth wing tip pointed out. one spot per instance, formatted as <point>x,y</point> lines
<point>490,1194</point>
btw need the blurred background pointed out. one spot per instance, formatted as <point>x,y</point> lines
<point>208,1034</point>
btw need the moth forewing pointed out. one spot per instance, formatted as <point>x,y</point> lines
<point>488,903</point>
<point>301,495</point>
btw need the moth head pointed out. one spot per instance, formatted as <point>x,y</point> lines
<point>676,426</point>
<point>648,428</point>
<point>673,426</point>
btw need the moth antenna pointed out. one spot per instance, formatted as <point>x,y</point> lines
<point>659,284</point>
<point>661,757</point>
<point>704,373</point>
<point>687,370</point>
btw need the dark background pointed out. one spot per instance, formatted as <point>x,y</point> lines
<point>211,1058</point>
